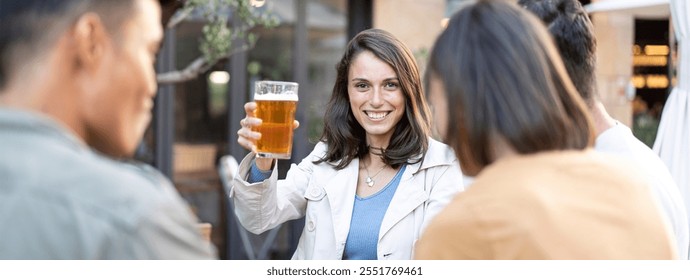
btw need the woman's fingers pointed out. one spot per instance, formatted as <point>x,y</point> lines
<point>245,143</point>
<point>246,137</point>
<point>250,122</point>
<point>249,108</point>
<point>249,134</point>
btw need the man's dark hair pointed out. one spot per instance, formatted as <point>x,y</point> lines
<point>346,137</point>
<point>29,27</point>
<point>573,33</point>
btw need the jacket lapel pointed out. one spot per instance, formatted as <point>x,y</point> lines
<point>412,189</point>
<point>409,195</point>
<point>340,190</point>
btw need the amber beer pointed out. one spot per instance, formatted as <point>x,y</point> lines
<point>276,103</point>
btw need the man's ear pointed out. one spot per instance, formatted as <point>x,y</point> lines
<point>90,40</point>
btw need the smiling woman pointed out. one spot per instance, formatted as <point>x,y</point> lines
<point>376,99</point>
<point>374,181</point>
<point>377,75</point>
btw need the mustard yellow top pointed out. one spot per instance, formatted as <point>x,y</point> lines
<point>552,205</point>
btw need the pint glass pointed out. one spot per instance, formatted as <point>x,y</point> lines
<point>276,103</point>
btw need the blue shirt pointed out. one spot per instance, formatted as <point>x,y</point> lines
<point>367,215</point>
<point>256,175</point>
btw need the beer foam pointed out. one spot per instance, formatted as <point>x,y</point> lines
<point>286,96</point>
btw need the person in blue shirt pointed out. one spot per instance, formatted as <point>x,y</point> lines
<point>375,179</point>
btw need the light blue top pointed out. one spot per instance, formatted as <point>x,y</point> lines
<point>256,175</point>
<point>367,215</point>
<point>59,199</point>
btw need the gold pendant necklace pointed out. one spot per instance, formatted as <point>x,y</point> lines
<point>370,179</point>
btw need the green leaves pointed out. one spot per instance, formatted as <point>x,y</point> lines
<point>219,38</point>
<point>216,40</point>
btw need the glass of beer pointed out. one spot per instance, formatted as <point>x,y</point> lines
<point>276,103</point>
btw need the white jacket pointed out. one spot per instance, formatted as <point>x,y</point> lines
<point>326,196</point>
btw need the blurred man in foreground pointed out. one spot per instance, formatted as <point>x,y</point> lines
<point>76,90</point>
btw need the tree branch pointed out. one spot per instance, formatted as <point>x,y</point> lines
<point>217,38</point>
<point>178,17</point>
<point>196,67</point>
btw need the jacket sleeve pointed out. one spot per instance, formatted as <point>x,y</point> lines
<point>264,205</point>
<point>444,182</point>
